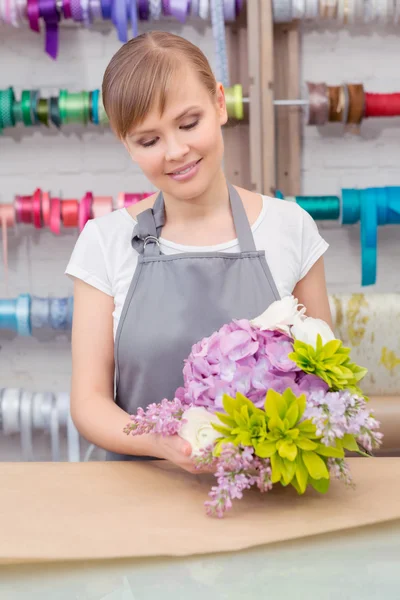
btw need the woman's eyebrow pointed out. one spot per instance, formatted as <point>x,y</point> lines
<point>182,114</point>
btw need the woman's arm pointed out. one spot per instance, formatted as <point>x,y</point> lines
<point>311,291</point>
<point>93,409</point>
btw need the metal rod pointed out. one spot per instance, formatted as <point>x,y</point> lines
<point>284,102</point>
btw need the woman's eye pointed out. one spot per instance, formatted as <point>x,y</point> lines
<point>191,125</point>
<point>148,144</point>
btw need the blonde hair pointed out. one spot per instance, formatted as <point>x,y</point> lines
<point>140,74</point>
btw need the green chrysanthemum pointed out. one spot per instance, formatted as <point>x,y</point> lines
<point>297,456</point>
<point>330,362</point>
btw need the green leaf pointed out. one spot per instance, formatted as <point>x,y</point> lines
<point>348,442</point>
<point>287,450</point>
<point>276,423</point>
<point>320,485</point>
<point>306,444</point>
<point>272,404</point>
<point>292,415</point>
<point>319,344</point>
<point>226,419</point>
<point>243,401</point>
<point>244,438</point>
<point>331,348</point>
<point>229,404</point>
<point>221,429</point>
<point>296,486</point>
<point>276,468</point>
<point>301,474</point>
<point>315,465</point>
<point>307,428</point>
<point>265,449</point>
<point>302,403</point>
<point>288,469</point>
<point>331,451</point>
<point>241,421</point>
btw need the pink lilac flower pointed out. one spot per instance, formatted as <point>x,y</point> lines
<point>236,469</point>
<point>338,413</point>
<point>165,418</point>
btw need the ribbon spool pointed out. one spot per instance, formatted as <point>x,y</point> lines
<point>23,412</point>
<point>15,315</point>
<point>85,210</point>
<point>70,213</point>
<point>234,102</point>
<point>7,219</point>
<point>102,205</point>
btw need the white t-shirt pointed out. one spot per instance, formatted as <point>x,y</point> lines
<point>104,258</point>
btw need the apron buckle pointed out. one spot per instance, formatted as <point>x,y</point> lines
<point>151,238</point>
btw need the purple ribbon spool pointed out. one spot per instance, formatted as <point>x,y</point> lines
<point>179,9</point>
<point>144,10</point>
<point>49,13</point>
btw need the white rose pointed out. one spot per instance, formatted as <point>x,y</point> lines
<point>198,430</point>
<point>307,329</point>
<point>280,315</point>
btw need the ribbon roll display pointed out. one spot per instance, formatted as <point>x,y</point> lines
<point>342,12</point>
<point>371,207</point>
<point>45,15</point>
<point>78,108</point>
<point>348,104</point>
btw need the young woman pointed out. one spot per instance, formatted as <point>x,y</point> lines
<point>153,279</point>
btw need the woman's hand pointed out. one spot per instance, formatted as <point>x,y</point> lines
<point>177,450</point>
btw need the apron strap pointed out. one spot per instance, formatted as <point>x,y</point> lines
<point>151,221</point>
<point>241,222</point>
<point>148,229</point>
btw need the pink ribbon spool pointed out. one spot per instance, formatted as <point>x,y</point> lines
<point>102,205</point>
<point>85,210</point>
<point>55,215</point>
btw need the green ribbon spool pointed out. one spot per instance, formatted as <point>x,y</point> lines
<point>17,111</point>
<point>6,108</point>
<point>42,111</point>
<point>26,108</point>
<point>75,107</point>
<point>234,102</point>
<point>103,119</point>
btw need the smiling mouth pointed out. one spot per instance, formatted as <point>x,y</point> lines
<point>185,170</point>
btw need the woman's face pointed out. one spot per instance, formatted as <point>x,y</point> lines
<point>181,151</point>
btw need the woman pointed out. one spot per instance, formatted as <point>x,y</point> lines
<point>153,279</point>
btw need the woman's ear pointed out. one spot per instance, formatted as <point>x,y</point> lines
<point>223,113</point>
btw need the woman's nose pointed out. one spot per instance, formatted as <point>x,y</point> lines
<point>176,150</point>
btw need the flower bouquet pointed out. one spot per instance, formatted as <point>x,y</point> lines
<point>274,400</point>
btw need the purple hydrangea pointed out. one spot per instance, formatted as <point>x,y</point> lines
<point>240,357</point>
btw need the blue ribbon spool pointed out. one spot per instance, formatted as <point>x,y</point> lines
<point>15,315</point>
<point>59,311</point>
<point>40,312</point>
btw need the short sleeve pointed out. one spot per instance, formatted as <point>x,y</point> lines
<point>88,262</point>
<point>313,244</point>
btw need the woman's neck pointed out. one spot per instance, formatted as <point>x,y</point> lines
<point>189,210</point>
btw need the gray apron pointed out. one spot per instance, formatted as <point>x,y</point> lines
<point>175,301</point>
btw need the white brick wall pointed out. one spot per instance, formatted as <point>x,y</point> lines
<point>76,161</point>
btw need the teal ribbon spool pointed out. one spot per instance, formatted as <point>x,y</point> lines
<point>321,208</point>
